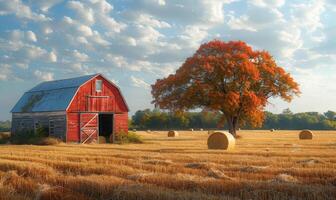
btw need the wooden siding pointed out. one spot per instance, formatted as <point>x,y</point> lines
<point>88,99</point>
<point>121,123</point>
<point>73,127</point>
<point>24,122</point>
<point>66,124</point>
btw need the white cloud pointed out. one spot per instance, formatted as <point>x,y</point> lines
<point>161,2</point>
<point>150,39</point>
<point>44,76</point>
<point>5,71</point>
<point>31,36</point>
<point>47,30</point>
<point>45,5</point>
<point>148,20</point>
<point>52,56</point>
<point>82,40</point>
<point>138,82</point>
<point>78,56</point>
<point>308,14</point>
<point>84,13</point>
<point>20,10</point>
<point>268,3</point>
<point>85,30</point>
<point>241,23</point>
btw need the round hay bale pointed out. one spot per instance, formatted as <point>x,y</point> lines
<point>102,140</point>
<point>306,135</point>
<point>173,134</point>
<point>201,129</point>
<point>272,130</point>
<point>221,140</point>
<point>148,131</point>
<point>134,130</point>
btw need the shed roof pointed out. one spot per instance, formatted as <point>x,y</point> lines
<point>50,95</point>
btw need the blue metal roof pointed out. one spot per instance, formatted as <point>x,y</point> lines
<point>59,84</point>
<point>50,95</point>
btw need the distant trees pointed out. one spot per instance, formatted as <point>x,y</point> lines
<point>5,126</point>
<point>155,119</point>
<point>307,120</point>
<point>330,115</point>
<point>287,120</point>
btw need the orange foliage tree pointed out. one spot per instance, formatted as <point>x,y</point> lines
<point>226,77</point>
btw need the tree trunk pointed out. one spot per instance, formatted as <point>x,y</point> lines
<point>232,123</point>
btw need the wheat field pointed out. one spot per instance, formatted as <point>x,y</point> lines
<point>264,165</point>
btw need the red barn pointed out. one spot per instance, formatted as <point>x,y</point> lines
<point>76,110</point>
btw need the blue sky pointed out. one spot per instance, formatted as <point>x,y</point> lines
<point>135,42</point>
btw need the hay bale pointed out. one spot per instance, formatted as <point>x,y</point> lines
<point>191,129</point>
<point>272,130</point>
<point>306,135</point>
<point>221,140</point>
<point>102,140</point>
<point>173,134</point>
<point>201,129</point>
<point>148,131</point>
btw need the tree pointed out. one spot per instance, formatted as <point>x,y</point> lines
<point>228,77</point>
<point>330,115</point>
<point>287,111</point>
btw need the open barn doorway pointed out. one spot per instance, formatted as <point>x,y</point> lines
<point>106,128</point>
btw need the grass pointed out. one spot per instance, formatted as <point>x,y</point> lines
<point>264,165</point>
<point>130,137</point>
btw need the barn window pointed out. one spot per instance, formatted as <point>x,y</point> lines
<point>51,127</point>
<point>99,85</point>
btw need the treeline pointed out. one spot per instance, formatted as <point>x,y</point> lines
<point>159,120</point>
<point>5,126</point>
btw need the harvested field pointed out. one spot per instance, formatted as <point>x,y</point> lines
<point>263,165</point>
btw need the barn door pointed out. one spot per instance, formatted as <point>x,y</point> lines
<point>88,127</point>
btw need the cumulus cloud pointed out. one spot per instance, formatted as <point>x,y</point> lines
<point>20,10</point>
<point>308,14</point>
<point>5,72</point>
<point>44,76</point>
<point>151,38</point>
<point>31,36</point>
<point>268,3</point>
<point>138,82</point>
<point>83,13</point>
<point>52,56</point>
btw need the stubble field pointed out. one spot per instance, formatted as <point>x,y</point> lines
<point>264,165</point>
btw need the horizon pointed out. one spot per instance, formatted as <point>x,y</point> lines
<point>133,43</point>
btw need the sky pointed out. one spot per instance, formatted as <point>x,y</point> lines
<point>135,42</point>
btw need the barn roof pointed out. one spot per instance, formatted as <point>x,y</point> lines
<point>50,95</point>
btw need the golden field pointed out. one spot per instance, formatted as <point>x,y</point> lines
<point>264,165</point>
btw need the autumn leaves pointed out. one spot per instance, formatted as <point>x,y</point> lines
<point>226,77</point>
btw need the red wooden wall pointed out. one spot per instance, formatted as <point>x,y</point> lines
<point>121,122</point>
<point>88,100</point>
